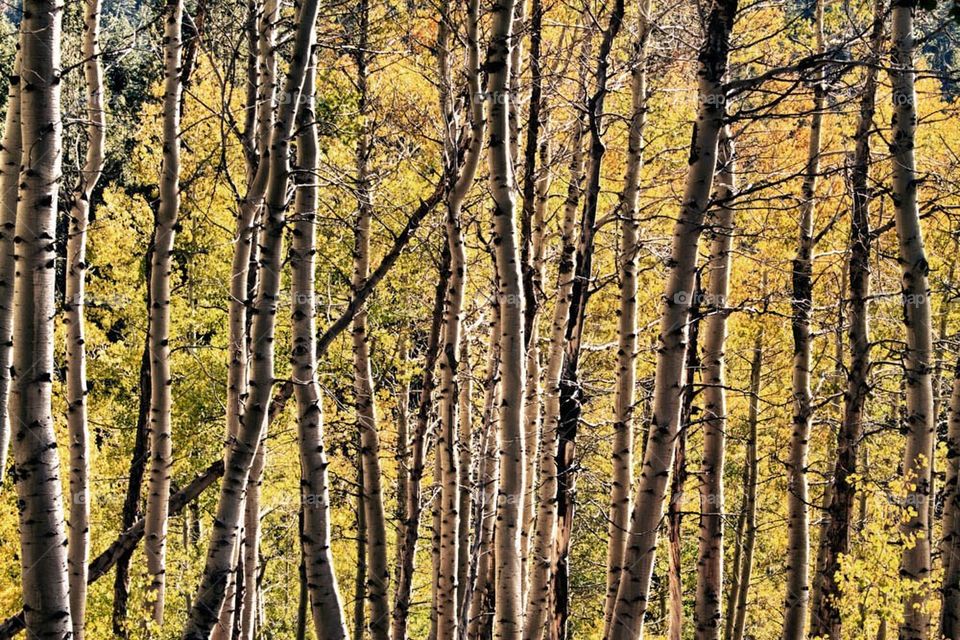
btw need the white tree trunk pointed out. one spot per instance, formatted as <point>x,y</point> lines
<point>798,523</point>
<point>950,547</point>
<point>750,494</point>
<point>10,152</point>
<point>632,596</point>
<point>460,178</point>
<point>220,553</point>
<point>708,614</point>
<point>541,567</point>
<point>915,563</point>
<point>326,604</point>
<point>485,491</point>
<point>508,616</point>
<point>622,454</point>
<point>161,401</point>
<point>43,542</point>
<point>260,117</point>
<point>378,576</point>
<point>79,533</point>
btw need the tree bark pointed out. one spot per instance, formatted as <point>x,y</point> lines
<point>680,471</point>
<point>634,588</point>
<point>531,264</point>
<point>627,323</point>
<point>460,177</point>
<point>826,619</point>
<point>482,568</point>
<point>259,107</point>
<point>508,615</point>
<point>798,523</point>
<point>10,153</point>
<point>326,604</point>
<point>360,581</point>
<point>161,401</point>
<point>378,573</point>
<point>950,547</point>
<point>79,517</point>
<point>43,541</point>
<point>750,493</point>
<point>466,485</point>
<point>206,606</point>
<point>708,612</point>
<point>915,563</point>
<point>542,566</point>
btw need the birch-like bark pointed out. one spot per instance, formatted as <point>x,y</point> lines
<point>508,615</point>
<point>622,455</point>
<point>250,546</point>
<point>542,564</point>
<point>482,567</point>
<point>378,573</point>
<point>259,112</point>
<point>633,593</point>
<point>79,519</point>
<point>708,613</point>
<point>43,542</point>
<point>360,579</point>
<point>207,604</point>
<point>531,265</point>
<point>467,475</point>
<point>915,563</point>
<point>571,389</point>
<point>680,472</point>
<point>323,592</point>
<point>750,494</point>
<point>798,519</point>
<point>826,619</point>
<point>460,178</point>
<point>161,400</point>
<point>10,152</point>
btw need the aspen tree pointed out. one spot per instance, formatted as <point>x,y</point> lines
<point>460,177</point>
<point>739,614</point>
<point>161,401</point>
<point>632,596</point>
<point>625,400</point>
<point>546,521</point>
<point>10,152</point>
<point>79,517</point>
<point>508,614</point>
<point>531,262</point>
<point>43,542</point>
<point>708,614</point>
<point>950,546</point>
<point>378,576</point>
<point>323,592</point>
<point>571,388</point>
<point>206,606</point>
<point>679,471</point>
<point>915,563</point>
<point>259,111</point>
<point>409,530</point>
<point>466,484</point>
<point>826,619</point>
<point>480,586</point>
<point>798,524</point>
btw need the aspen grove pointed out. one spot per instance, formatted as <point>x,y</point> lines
<point>480,320</point>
